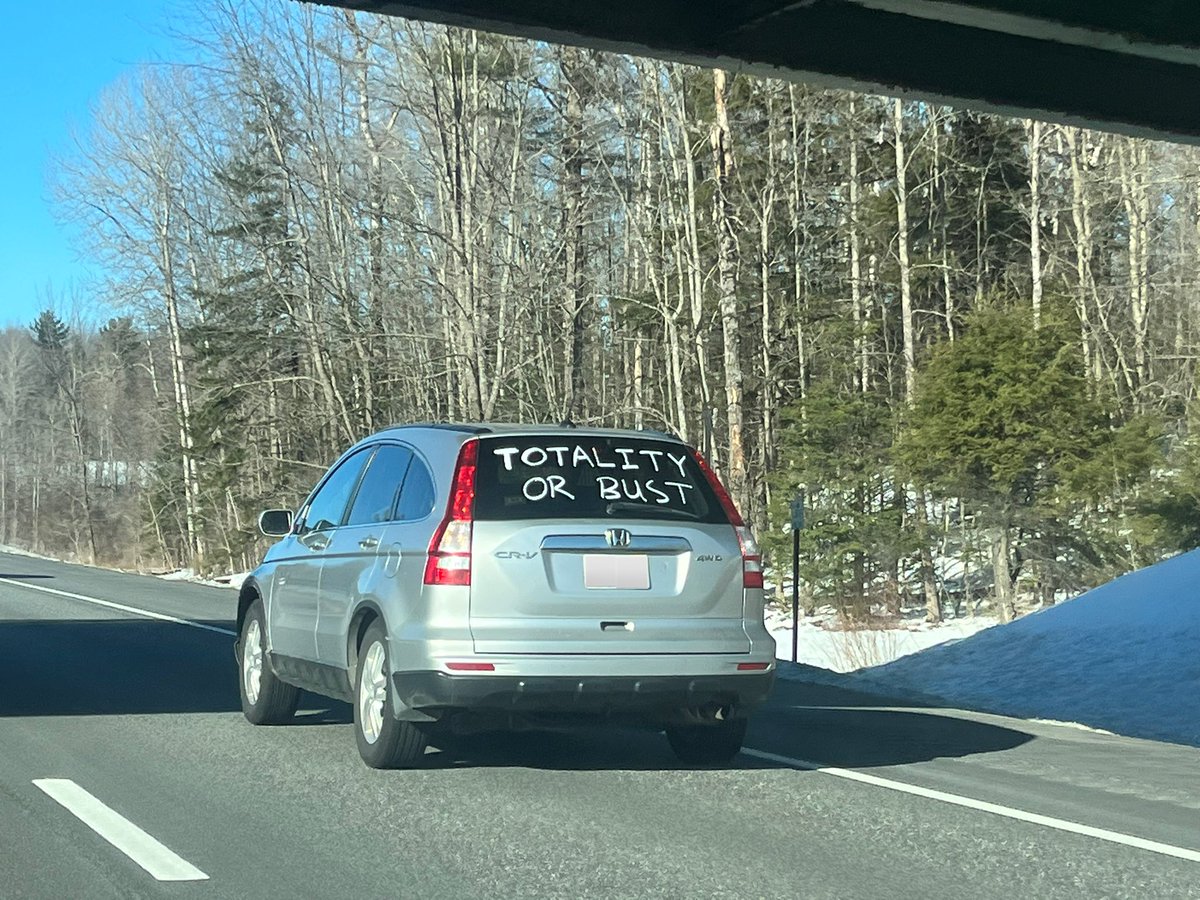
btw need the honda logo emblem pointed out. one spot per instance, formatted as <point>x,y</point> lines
<point>617,537</point>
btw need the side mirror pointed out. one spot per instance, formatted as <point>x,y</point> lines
<point>275,522</point>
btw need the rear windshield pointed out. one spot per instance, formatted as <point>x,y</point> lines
<point>555,477</point>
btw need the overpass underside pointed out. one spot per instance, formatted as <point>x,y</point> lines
<point>1131,67</point>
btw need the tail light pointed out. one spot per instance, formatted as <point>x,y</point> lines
<point>752,573</point>
<point>449,559</point>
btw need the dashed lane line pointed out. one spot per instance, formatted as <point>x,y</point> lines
<point>1103,834</point>
<point>153,856</point>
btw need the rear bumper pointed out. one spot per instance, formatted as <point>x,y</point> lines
<point>655,697</point>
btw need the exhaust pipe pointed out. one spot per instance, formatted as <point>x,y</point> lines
<point>715,712</point>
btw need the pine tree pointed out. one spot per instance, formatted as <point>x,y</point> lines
<point>1003,420</point>
<point>239,343</point>
<point>837,454</point>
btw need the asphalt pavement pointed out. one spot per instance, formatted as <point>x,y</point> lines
<point>121,702</point>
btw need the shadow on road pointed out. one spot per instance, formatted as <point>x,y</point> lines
<point>803,721</point>
<point>143,667</point>
<point>846,728</point>
<point>583,749</point>
<point>852,738</point>
<point>317,710</point>
<point>115,667</point>
<point>14,577</point>
<point>841,737</point>
<point>86,667</point>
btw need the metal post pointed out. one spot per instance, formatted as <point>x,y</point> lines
<point>797,524</point>
<point>708,432</point>
<point>795,592</point>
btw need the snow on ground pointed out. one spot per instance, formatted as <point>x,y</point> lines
<point>235,580</point>
<point>179,575</point>
<point>821,642</point>
<point>17,551</point>
<point>231,581</point>
<point>1124,657</point>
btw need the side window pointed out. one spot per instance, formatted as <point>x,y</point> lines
<point>376,497</point>
<point>329,505</point>
<point>416,499</point>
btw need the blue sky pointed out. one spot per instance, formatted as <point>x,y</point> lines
<point>54,61</point>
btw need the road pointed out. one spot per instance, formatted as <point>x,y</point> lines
<point>142,715</point>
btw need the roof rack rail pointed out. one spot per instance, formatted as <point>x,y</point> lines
<point>665,432</point>
<point>464,427</point>
<point>447,426</point>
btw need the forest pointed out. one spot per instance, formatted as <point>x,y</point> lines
<point>969,342</point>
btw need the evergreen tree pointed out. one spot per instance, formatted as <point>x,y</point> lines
<point>837,456</point>
<point>49,331</point>
<point>1003,421</point>
<point>239,342</point>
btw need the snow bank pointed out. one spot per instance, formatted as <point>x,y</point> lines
<point>1124,657</point>
<point>17,551</point>
<point>821,643</point>
<point>180,575</point>
<point>234,581</point>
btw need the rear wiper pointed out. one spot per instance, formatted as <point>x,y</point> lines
<point>627,506</point>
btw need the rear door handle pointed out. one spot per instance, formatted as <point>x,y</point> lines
<point>616,626</point>
<point>369,543</point>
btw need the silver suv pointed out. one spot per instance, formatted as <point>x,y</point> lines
<point>485,576</point>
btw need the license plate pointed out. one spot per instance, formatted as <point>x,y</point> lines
<point>616,571</point>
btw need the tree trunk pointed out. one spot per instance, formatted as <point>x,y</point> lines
<point>798,205</point>
<point>1133,163</point>
<point>933,610</point>
<point>856,301</point>
<point>722,144</point>
<point>375,346</point>
<point>906,310</point>
<point>183,401</point>
<point>1035,225</point>
<point>639,399</point>
<point>1083,251</point>
<point>1002,573</point>
<point>573,229</point>
<point>933,604</point>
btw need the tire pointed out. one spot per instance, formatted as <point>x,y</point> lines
<point>265,699</point>
<point>707,744</point>
<point>384,742</point>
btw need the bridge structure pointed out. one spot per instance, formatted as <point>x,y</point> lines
<point>1128,67</point>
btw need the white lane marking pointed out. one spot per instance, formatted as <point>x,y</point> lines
<point>1074,726</point>
<point>144,850</point>
<point>137,611</point>
<point>1021,815</point>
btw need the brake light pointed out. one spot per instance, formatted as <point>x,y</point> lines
<point>752,573</point>
<point>449,559</point>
